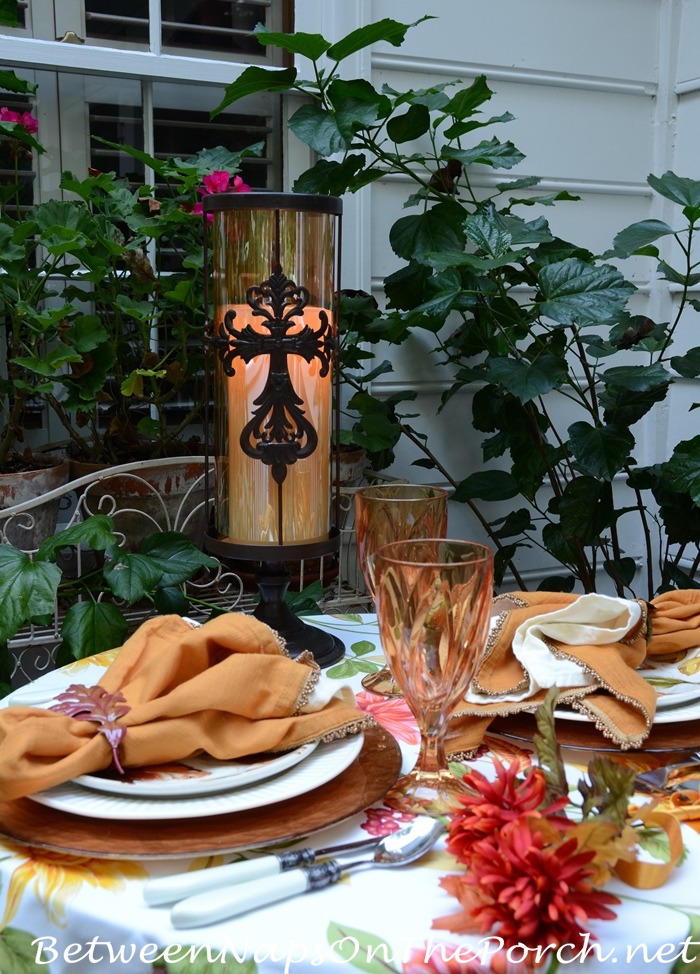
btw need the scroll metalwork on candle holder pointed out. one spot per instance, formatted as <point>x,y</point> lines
<point>279,432</point>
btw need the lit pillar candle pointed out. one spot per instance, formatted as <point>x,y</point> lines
<point>248,247</point>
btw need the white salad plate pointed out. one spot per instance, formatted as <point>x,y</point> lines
<point>324,764</point>
<point>200,775</point>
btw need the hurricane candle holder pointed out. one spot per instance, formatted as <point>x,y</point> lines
<point>272,348</point>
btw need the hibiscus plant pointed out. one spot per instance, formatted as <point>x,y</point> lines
<point>530,322</point>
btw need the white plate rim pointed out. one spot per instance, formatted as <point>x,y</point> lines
<point>670,715</point>
<point>327,762</point>
<point>240,775</point>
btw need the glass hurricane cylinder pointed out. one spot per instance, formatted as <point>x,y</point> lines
<point>434,609</point>
<point>269,247</point>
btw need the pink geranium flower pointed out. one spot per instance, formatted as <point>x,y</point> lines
<point>219,181</point>
<point>25,119</point>
<point>393,713</point>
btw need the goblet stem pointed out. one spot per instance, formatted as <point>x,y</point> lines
<point>430,788</point>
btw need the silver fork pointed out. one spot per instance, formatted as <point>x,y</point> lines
<point>657,779</point>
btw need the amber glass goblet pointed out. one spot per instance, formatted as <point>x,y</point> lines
<point>434,608</point>
<point>394,512</point>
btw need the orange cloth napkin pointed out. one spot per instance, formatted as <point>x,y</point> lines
<point>618,699</point>
<point>226,688</point>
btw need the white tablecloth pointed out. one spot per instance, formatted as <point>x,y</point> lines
<point>90,915</point>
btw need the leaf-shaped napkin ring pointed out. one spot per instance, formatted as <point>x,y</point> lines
<point>94,703</point>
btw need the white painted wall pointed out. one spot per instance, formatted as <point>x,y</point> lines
<point>604,93</point>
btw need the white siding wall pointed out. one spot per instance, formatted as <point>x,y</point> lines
<point>604,92</point>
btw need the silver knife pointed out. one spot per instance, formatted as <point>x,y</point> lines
<point>657,778</point>
<point>168,889</point>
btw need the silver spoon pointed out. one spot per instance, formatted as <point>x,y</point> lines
<point>396,849</point>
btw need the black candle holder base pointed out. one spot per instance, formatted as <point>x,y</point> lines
<point>273,580</point>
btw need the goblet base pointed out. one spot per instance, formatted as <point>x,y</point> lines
<point>382,683</point>
<point>426,793</point>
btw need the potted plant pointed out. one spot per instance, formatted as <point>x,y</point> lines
<point>94,606</point>
<point>531,320</point>
<point>102,300</point>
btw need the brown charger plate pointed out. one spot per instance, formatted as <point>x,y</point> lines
<point>368,779</point>
<point>683,736</point>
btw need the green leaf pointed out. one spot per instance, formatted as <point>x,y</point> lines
<point>311,46</point>
<point>528,380</point>
<point>467,100</point>
<point>411,125</point>
<point>676,188</point>
<point>97,530</point>
<point>498,155</point>
<point>488,231</point>
<point>549,756</point>
<point>92,627</point>
<point>600,451</point>
<point>171,601</point>
<point>318,129</point>
<point>608,790</point>
<point>585,509</point>
<point>687,365</point>
<point>130,577</point>
<point>329,177</point>
<point>557,583</point>
<point>630,394</point>
<point>693,964</point>
<point>254,80</point>
<point>203,959</point>
<point>362,647</point>
<point>683,468</point>
<point>356,947</point>
<point>387,30</point>
<point>173,555</point>
<point>621,570</point>
<point>18,949</point>
<point>636,236</point>
<point>578,293</point>
<point>85,333</point>
<point>27,589</point>
<point>8,79</point>
<point>487,485</point>
<point>514,524</point>
<point>439,228</point>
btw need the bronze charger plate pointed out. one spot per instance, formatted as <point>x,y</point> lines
<point>664,738</point>
<point>368,779</point>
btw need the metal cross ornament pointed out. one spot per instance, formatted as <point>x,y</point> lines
<point>279,432</point>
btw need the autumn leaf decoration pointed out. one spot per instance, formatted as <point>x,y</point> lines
<point>105,709</point>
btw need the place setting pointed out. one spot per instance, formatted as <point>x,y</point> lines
<point>294,736</point>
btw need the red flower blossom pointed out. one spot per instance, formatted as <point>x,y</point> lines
<point>528,886</point>
<point>26,119</point>
<point>494,803</point>
<point>219,182</point>
<point>384,821</point>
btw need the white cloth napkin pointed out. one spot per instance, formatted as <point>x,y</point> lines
<point>591,620</point>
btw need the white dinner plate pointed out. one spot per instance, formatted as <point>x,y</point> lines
<point>674,696</point>
<point>326,763</point>
<point>672,715</point>
<point>195,776</point>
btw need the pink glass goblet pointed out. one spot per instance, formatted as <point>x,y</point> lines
<point>434,609</point>
<point>394,512</point>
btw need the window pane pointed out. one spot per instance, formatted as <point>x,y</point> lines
<point>125,22</point>
<point>196,26</point>
<point>213,25</point>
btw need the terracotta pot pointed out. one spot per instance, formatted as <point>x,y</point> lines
<point>28,530</point>
<point>151,498</point>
